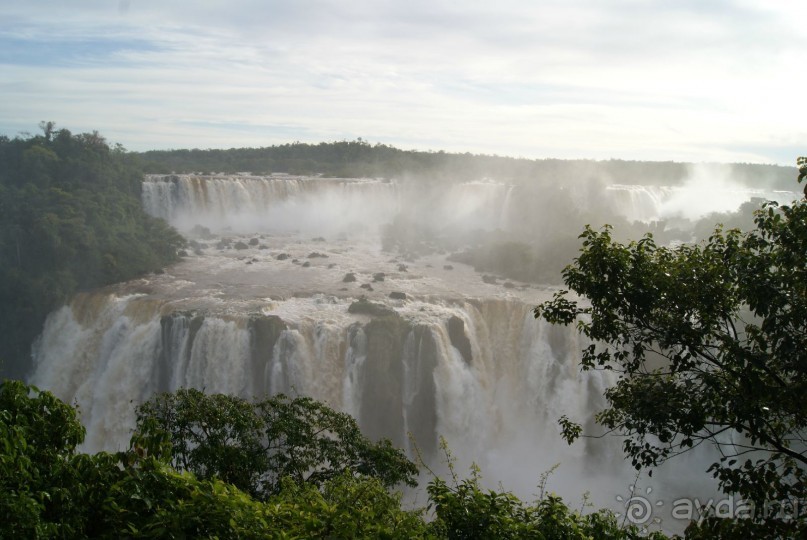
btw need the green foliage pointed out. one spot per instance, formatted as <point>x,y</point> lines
<point>47,490</point>
<point>570,431</point>
<point>463,509</point>
<point>712,528</point>
<point>345,507</point>
<point>468,511</point>
<point>70,219</point>
<point>141,497</point>
<point>254,446</point>
<point>710,342</point>
<point>344,158</point>
<point>310,442</point>
<point>38,437</point>
<point>742,219</point>
<point>209,435</point>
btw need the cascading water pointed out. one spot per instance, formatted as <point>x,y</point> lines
<point>282,202</point>
<point>277,203</point>
<point>639,203</point>
<point>493,384</point>
<point>481,204</point>
<point>692,202</point>
<point>447,355</point>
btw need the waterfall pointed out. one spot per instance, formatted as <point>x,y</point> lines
<point>477,205</point>
<point>398,375</point>
<point>693,200</point>
<point>277,202</point>
<point>282,202</point>
<point>260,307</point>
<point>639,203</point>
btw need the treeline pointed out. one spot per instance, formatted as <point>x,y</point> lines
<point>217,466</point>
<point>71,218</point>
<point>353,159</point>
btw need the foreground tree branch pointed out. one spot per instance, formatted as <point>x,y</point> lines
<point>711,344</point>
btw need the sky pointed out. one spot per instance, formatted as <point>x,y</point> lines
<point>680,80</point>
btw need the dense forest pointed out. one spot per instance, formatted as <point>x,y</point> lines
<point>70,219</point>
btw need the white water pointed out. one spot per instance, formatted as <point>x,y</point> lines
<point>284,203</point>
<point>691,201</point>
<point>246,323</point>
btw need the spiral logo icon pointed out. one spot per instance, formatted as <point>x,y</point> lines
<point>639,510</point>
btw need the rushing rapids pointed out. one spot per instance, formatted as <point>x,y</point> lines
<point>414,348</point>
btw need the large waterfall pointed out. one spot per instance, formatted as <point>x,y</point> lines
<point>481,372</point>
<point>415,349</point>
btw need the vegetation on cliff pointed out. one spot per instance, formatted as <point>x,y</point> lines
<point>71,218</point>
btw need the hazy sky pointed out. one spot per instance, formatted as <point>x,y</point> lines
<point>683,80</point>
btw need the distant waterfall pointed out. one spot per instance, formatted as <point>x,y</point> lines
<point>280,202</point>
<point>691,201</point>
<point>480,204</point>
<point>639,203</point>
<point>258,203</point>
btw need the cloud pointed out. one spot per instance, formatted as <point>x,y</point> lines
<point>643,80</point>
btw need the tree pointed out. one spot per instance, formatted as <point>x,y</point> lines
<point>71,218</point>
<point>465,510</point>
<point>38,438</point>
<point>710,344</point>
<point>49,490</point>
<point>255,445</point>
<point>345,506</point>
